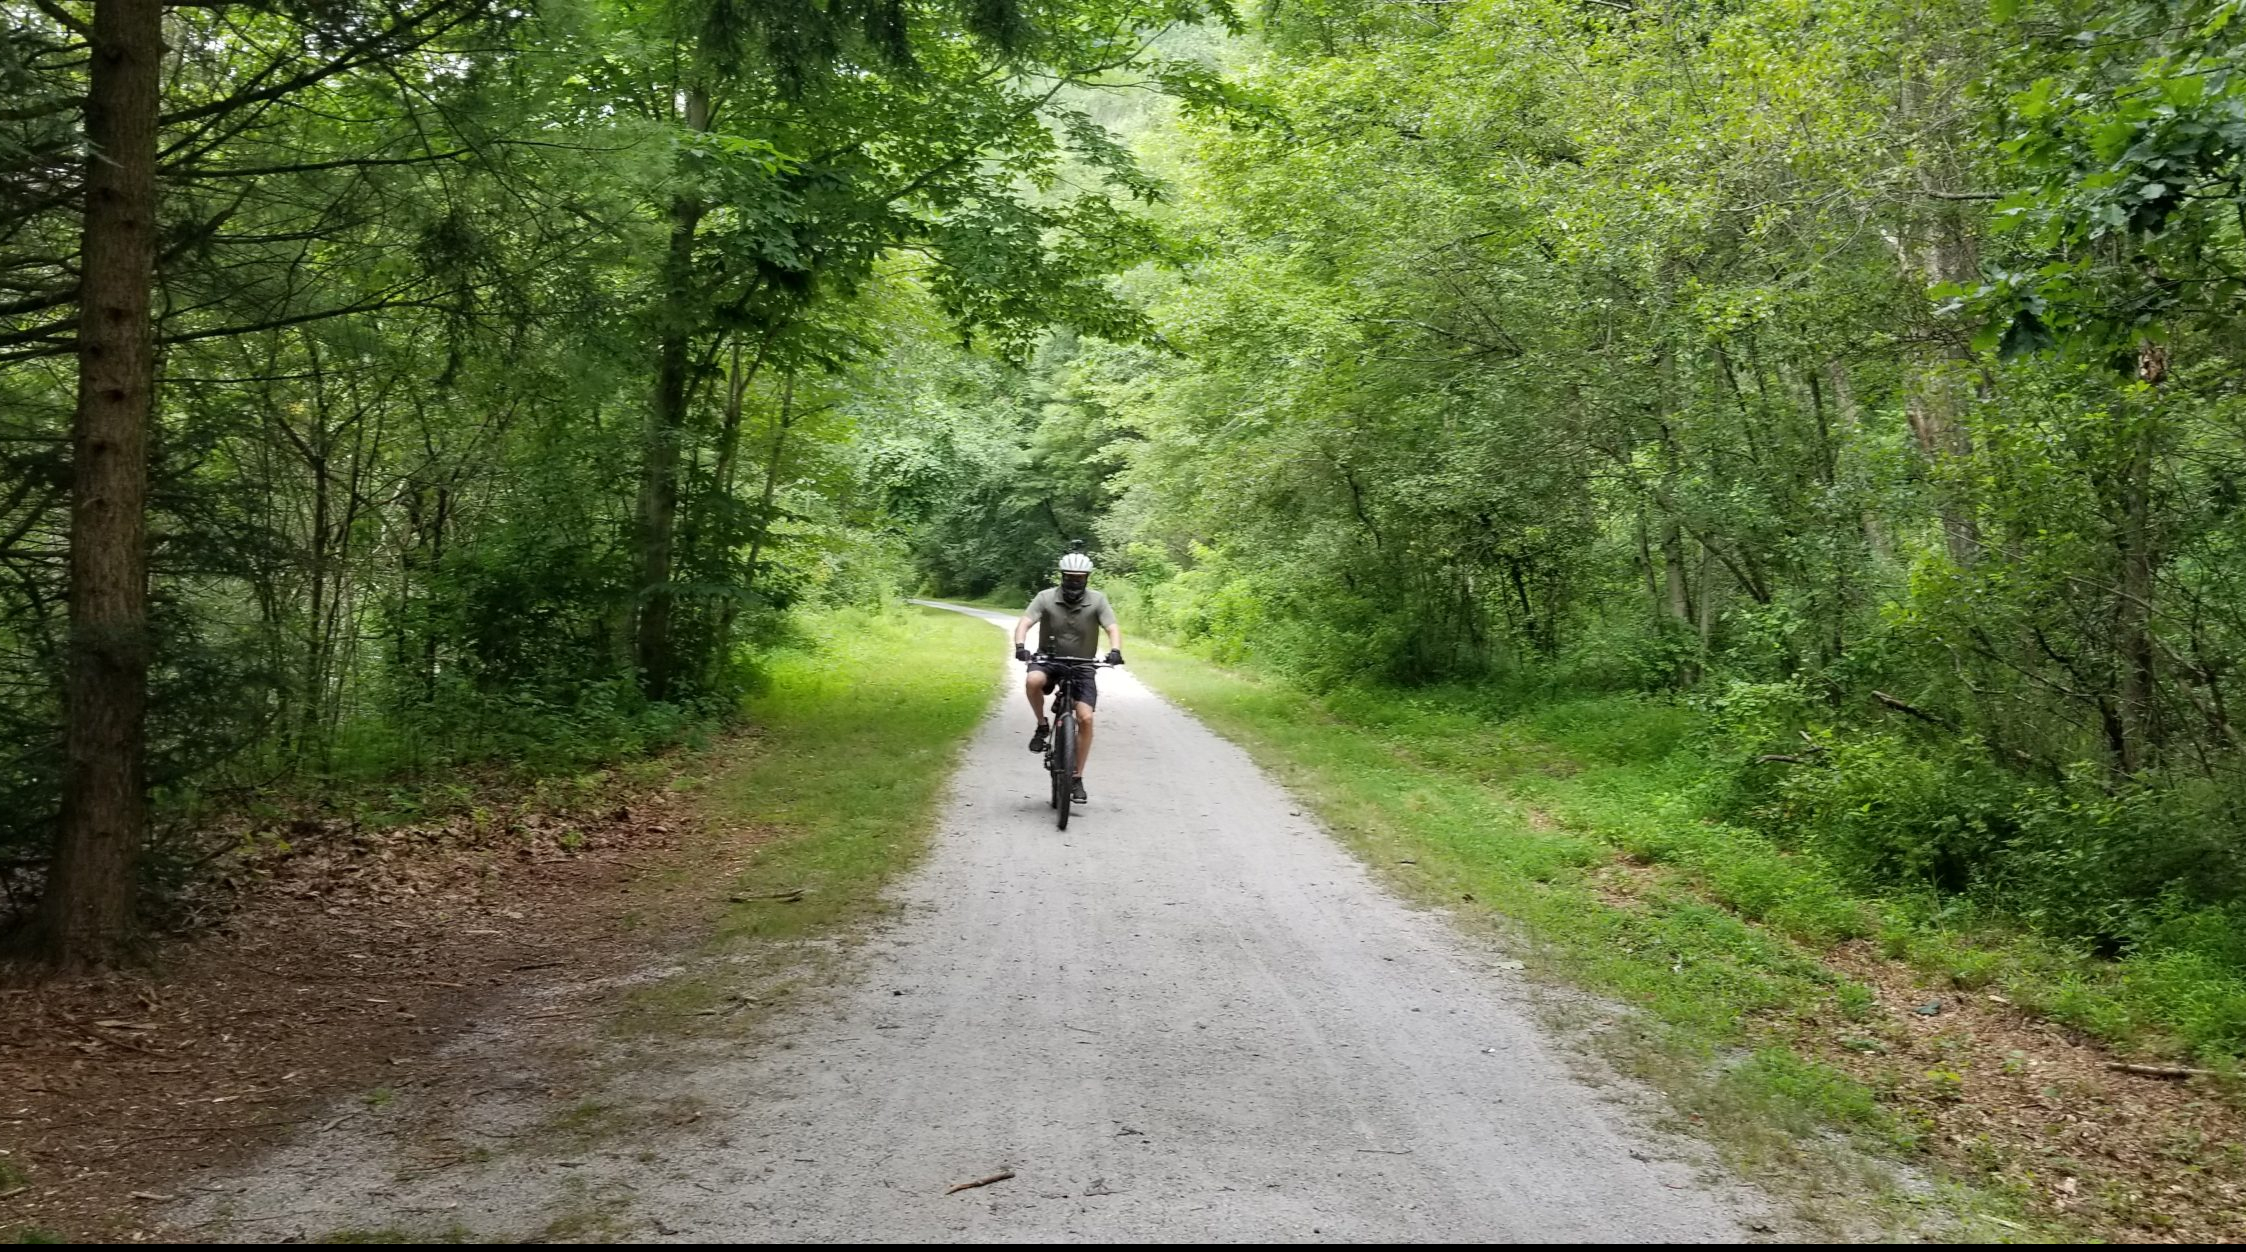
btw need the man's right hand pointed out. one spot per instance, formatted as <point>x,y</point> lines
<point>1021,654</point>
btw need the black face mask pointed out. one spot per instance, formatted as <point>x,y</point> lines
<point>1072,587</point>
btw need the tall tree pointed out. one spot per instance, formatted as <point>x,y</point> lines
<point>88,913</point>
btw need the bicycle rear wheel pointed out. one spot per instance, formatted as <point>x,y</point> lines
<point>1064,765</point>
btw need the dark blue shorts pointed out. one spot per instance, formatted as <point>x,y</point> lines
<point>1087,680</point>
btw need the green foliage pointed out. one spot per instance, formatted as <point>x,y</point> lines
<point>1810,1092</point>
<point>521,370</point>
<point>2124,150</point>
<point>1818,425</point>
<point>1884,814</point>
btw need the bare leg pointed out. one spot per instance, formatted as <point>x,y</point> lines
<point>1083,737</point>
<point>1035,687</point>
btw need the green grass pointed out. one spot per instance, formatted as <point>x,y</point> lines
<point>859,733</point>
<point>831,793</point>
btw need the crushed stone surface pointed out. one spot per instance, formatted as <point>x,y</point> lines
<point>1189,1017</point>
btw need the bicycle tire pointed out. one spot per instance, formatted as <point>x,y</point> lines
<point>1064,766</point>
<point>1052,753</point>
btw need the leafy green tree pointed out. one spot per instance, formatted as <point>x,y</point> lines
<point>471,373</point>
<point>1880,354</point>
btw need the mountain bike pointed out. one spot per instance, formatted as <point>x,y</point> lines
<point>1060,755</point>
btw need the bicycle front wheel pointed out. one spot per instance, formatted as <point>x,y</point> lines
<point>1064,766</point>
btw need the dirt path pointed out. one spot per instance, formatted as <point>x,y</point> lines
<point>1190,1017</point>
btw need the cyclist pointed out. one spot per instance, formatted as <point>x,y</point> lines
<point>1069,619</point>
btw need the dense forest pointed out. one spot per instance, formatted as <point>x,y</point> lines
<point>384,385</point>
<point>1865,377</point>
<point>387,385</point>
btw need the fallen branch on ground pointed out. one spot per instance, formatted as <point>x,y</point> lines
<point>1000,1176</point>
<point>115,1042</point>
<point>2164,1071</point>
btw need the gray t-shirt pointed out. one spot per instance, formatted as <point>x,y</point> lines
<point>1065,629</point>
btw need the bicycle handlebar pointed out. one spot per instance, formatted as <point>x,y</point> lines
<point>1093,661</point>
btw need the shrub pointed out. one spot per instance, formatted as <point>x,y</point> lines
<point>2109,865</point>
<point>1883,813</point>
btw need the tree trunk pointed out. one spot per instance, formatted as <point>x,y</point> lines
<point>729,435</point>
<point>728,453</point>
<point>725,463</point>
<point>1932,410</point>
<point>315,657</point>
<point>771,479</point>
<point>1676,590</point>
<point>1707,610</point>
<point>666,422</point>
<point>88,912</point>
<point>1844,403</point>
<point>1936,248</point>
<point>731,610</point>
<point>1676,587</point>
<point>2136,691</point>
<point>1645,563</point>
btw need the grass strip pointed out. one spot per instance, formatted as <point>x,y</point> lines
<point>853,738</point>
<point>860,729</point>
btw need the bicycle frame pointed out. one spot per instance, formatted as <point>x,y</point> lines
<point>1060,758</point>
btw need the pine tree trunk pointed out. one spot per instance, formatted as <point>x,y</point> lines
<point>88,913</point>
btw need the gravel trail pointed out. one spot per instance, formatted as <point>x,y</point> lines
<point>1191,1016</point>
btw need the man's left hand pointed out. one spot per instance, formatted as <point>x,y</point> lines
<point>1115,656</point>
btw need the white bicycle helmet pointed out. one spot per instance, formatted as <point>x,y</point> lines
<point>1076,574</point>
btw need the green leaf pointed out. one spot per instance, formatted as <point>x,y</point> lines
<point>2025,336</point>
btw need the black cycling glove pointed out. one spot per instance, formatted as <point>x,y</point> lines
<point>1115,656</point>
<point>1021,654</point>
